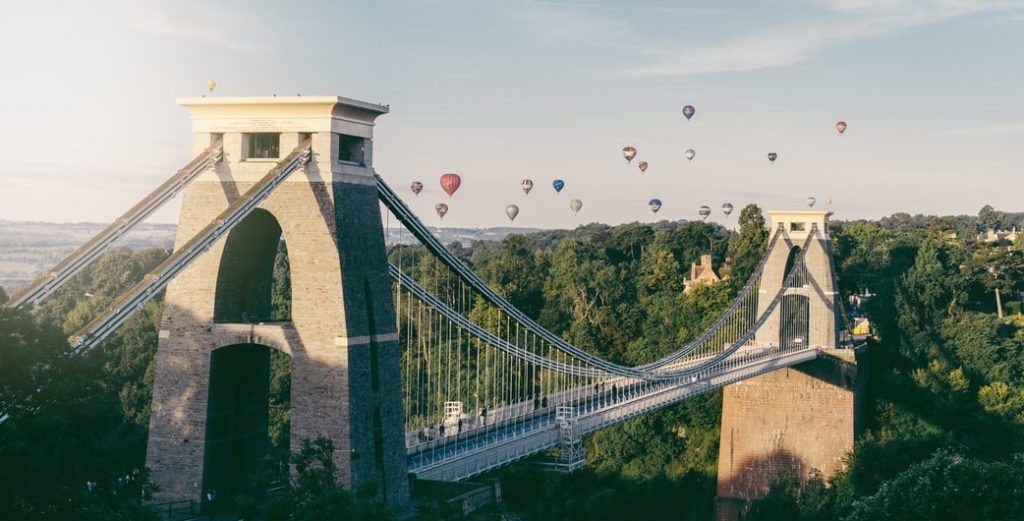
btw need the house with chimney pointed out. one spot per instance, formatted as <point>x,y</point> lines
<point>704,272</point>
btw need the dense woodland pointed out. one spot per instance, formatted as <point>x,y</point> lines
<point>944,440</point>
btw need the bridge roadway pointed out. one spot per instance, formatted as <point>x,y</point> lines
<point>476,450</point>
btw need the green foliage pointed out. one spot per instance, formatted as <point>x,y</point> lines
<point>66,430</point>
<point>279,413</point>
<point>747,247</point>
<point>128,355</point>
<point>666,444</point>
<point>585,298</point>
<point>314,493</point>
<point>514,272</point>
<point>587,496</point>
<point>999,398</point>
<point>97,287</point>
<point>281,290</point>
<point>948,486</point>
<point>789,500</point>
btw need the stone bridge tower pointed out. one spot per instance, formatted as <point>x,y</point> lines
<point>208,428</point>
<point>820,292</point>
<point>799,420</point>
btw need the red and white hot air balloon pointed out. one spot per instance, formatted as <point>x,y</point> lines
<point>450,183</point>
<point>629,153</point>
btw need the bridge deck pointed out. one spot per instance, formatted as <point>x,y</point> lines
<point>473,451</point>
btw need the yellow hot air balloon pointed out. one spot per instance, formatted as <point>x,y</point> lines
<point>211,85</point>
<point>841,127</point>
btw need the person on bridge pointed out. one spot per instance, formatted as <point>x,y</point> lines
<point>483,414</point>
<point>536,403</point>
<point>460,427</point>
<point>440,430</point>
<point>544,402</point>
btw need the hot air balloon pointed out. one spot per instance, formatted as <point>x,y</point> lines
<point>655,205</point>
<point>558,184</point>
<point>450,183</point>
<point>527,186</point>
<point>211,85</point>
<point>690,153</point>
<point>704,212</point>
<point>629,153</point>
<point>727,209</point>
<point>643,166</point>
<point>441,209</point>
<point>772,156</point>
<point>841,127</point>
<point>575,206</point>
<point>811,201</point>
<point>511,211</point>
<point>416,187</point>
<point>688,111</point>
<point>828,200</point>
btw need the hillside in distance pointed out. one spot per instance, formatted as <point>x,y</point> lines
<point>29,247</point>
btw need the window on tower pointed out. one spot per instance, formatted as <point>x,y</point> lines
<point>351,149</point>
<point>262,145</point>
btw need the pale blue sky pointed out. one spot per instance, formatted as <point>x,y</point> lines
<point>502,90</point>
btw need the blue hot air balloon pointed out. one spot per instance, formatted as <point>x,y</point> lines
<point>558,184</point>
<point>655,205</point>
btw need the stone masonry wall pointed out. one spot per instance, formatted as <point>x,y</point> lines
<point>799,420</point>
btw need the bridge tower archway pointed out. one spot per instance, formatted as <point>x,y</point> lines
<point>240,412</point>
<point>340,332</point>
<point>246,278</point>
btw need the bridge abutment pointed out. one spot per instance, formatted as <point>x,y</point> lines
<point>341,336</point>
<point>794,422</point>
